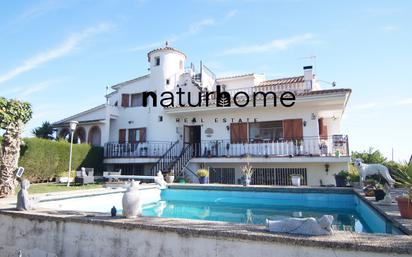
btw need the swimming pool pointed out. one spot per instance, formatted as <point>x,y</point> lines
<point>350,212</point>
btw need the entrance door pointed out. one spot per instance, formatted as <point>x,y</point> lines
<point>192,135</point>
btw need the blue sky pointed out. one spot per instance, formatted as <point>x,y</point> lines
<point>61,55</point>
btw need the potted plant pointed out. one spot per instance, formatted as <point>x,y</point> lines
<point>354,178</point>
<point>247,171</point>
<point>203,175</point>
<point>170,177</point>
<point>342,178</point>
<point>379,193</point>
<point>404,179</point>
<point>299,147</point>
<point>227,150</point>
<point>296,179</point>
<point>143,151</point>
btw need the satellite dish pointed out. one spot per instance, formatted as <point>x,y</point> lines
<point>20,172</point>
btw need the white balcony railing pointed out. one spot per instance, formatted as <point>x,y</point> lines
<point>336,145</point>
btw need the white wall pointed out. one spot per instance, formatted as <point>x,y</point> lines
<point>50,237</point>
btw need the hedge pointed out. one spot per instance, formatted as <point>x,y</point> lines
<point>45,159</point>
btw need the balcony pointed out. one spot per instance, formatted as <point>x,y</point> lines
<point>150,149</point>
<point>334,146</point>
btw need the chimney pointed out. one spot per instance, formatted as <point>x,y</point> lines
<point>308,77</point>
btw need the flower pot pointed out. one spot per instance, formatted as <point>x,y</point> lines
<point>355,184</point>
<point>379,194</point>
<point>405,207</point>
<point>296,181</point>
<point>341,181</point>
<point>204,180</point>
<point>170,179</point>
<point>248,179</point>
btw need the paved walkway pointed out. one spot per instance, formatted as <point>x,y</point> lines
<point>391,211</point>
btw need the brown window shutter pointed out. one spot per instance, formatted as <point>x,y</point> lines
<point>293,129</point>
<point>122,136</point>
<point>142,135</point>
<point>323,129</point>
<point>234,133</point>
<point>287,129</point>
<point>125,100</point>
<point>238,133</point>
<point>132,136</point>
<point>243,132</point>
<point>298,129</point>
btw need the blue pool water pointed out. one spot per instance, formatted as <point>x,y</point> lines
<point>349,211</point>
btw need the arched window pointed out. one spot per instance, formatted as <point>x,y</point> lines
<point>95,136</point>
<point>79,136</point>
<point>64,133</point>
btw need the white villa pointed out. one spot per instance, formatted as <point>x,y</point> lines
<point>278,141</point>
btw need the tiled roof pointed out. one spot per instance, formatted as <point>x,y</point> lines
<point>236,76</point>
<point>164,49</point>
<point>60,122</point>
<point>282,81</point>
<point>297,94</point>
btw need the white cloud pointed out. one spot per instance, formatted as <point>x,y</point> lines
<point>406,101</point>
<point>190,31</point>
<point>277,44</point>
<point>18,92</point>
<point>389,28</point>
<point>65,48</point>
<point>231,14</point>
<point>193,29</point>
<point>197,26</point>
<point>41,9</point>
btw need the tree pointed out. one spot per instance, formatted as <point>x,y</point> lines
<point>370,156</point>
<point>13,115</point>
<point>45,131</point>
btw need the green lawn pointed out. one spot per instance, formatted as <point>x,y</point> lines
<point>53,187</point>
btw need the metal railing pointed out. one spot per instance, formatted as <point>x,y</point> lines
<point>336,145</point>
<point>138,149</point>
<point>181,162</point>
<point>166,160</point>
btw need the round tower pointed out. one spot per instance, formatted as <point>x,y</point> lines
<point>166,65</point>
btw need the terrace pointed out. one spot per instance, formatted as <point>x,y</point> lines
<point>333,146</point>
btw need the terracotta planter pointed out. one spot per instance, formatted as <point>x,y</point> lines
<point>405,207</point>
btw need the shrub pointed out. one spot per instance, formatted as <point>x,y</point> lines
<point>203,173</point>
<point>343,173</point>
<point>45,160</point>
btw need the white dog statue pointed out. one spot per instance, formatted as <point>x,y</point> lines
<point>160,181</point>
<point>131,202</point>
<point>373,169</point>
<point>302,226</point>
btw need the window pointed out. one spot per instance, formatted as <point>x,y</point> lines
<point>160,118</point>
<point>137,135</point>
<point>265,131</point>
<point>122,136</point>
<point>134,135</point>
<point>137,100</point>
<point>157,61</point>
<point>167,81</point>
<point>125,100</point>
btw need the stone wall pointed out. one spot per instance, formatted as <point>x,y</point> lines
<point>42,235</point>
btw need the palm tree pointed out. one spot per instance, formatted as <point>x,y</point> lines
<point>46,131</point>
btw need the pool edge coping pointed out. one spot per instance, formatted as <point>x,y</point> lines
<point>349,241</point>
